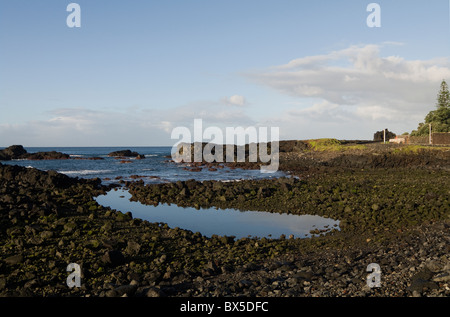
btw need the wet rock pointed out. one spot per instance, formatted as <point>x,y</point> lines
<point>2,283</point>
<point>434,266</point>
<point>46,235</point>
<point>12,152</point>
<point>18,152</point>
<point>184,192</point>
<point>14,259</point>
<point>128,290</point>
<point>155,292</point>
<point>133,248</point>
<point>70,227</point>
<point>125,153</point>
<point>32,283</point>
<point>307,276</point>
<point>422,281</point>
<point>113,258</point>
<point>124,216</point>
<point>212,266</point>
<point>53,155</point>
<point>152,277</point>
<point>442,278</point>
<point>111,293</point>
<point>107,226</point>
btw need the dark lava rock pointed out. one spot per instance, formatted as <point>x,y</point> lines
<point>12,152</point>
<point>129,290</point>
<point>14,259</point>
<point>113,258</point>
<point>53,155</point>
<point>422,281</point>
<point>15,152</point>
<point>155,292</point>
<point>126,153</point>
<point>36,178</point>
<point>133,247</point>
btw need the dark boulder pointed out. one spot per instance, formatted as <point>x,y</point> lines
<point>39,179</point>
<point>12,152</point>
<point>14,259</point>
<point>15,152</point>
<point>113,258</point>
<point>53,155</point>
<point>125,153</point>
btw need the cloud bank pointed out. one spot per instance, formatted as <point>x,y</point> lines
<point>130,126</point>
<point>356,86</point>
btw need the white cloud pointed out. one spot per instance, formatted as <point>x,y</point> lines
<point>353,92</point>
<point>235,100</point>
<point>357,85</point>
<point>166,126</point>
<point>128,126</point>
<point>323,111</point>
<point>84,127</point>
<point>213,112</point>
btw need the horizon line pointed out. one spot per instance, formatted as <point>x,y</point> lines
<point>106,146</point>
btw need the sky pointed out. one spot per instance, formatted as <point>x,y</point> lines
<point>135,70</point>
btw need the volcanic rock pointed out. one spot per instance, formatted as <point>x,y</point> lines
<point>125,153</point>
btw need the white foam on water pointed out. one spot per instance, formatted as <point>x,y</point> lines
<point>85,172</point>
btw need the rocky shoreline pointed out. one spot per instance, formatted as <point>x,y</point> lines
<point>397,217</point>
<point>17,152</point>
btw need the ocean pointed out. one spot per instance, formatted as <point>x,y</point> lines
<point>156,167</point>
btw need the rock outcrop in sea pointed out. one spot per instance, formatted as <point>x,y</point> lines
<point>126,153</point>
<point>17,152</point>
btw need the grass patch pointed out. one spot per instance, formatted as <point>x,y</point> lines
<point>416,149</point>
<point>332,145</point>
<point>410,149</point>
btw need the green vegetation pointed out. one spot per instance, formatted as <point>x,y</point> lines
<point>417,149</point>
<point>410,149</point>
<point>332,145</point>
<point>439,118</point>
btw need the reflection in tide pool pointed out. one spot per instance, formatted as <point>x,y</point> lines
<point>222,222</point>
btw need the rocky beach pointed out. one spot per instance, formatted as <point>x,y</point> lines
<point>392,202</point>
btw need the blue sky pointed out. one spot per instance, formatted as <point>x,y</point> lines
<point>134,70</point>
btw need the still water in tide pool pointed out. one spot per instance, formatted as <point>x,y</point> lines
<point>223,222</point>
